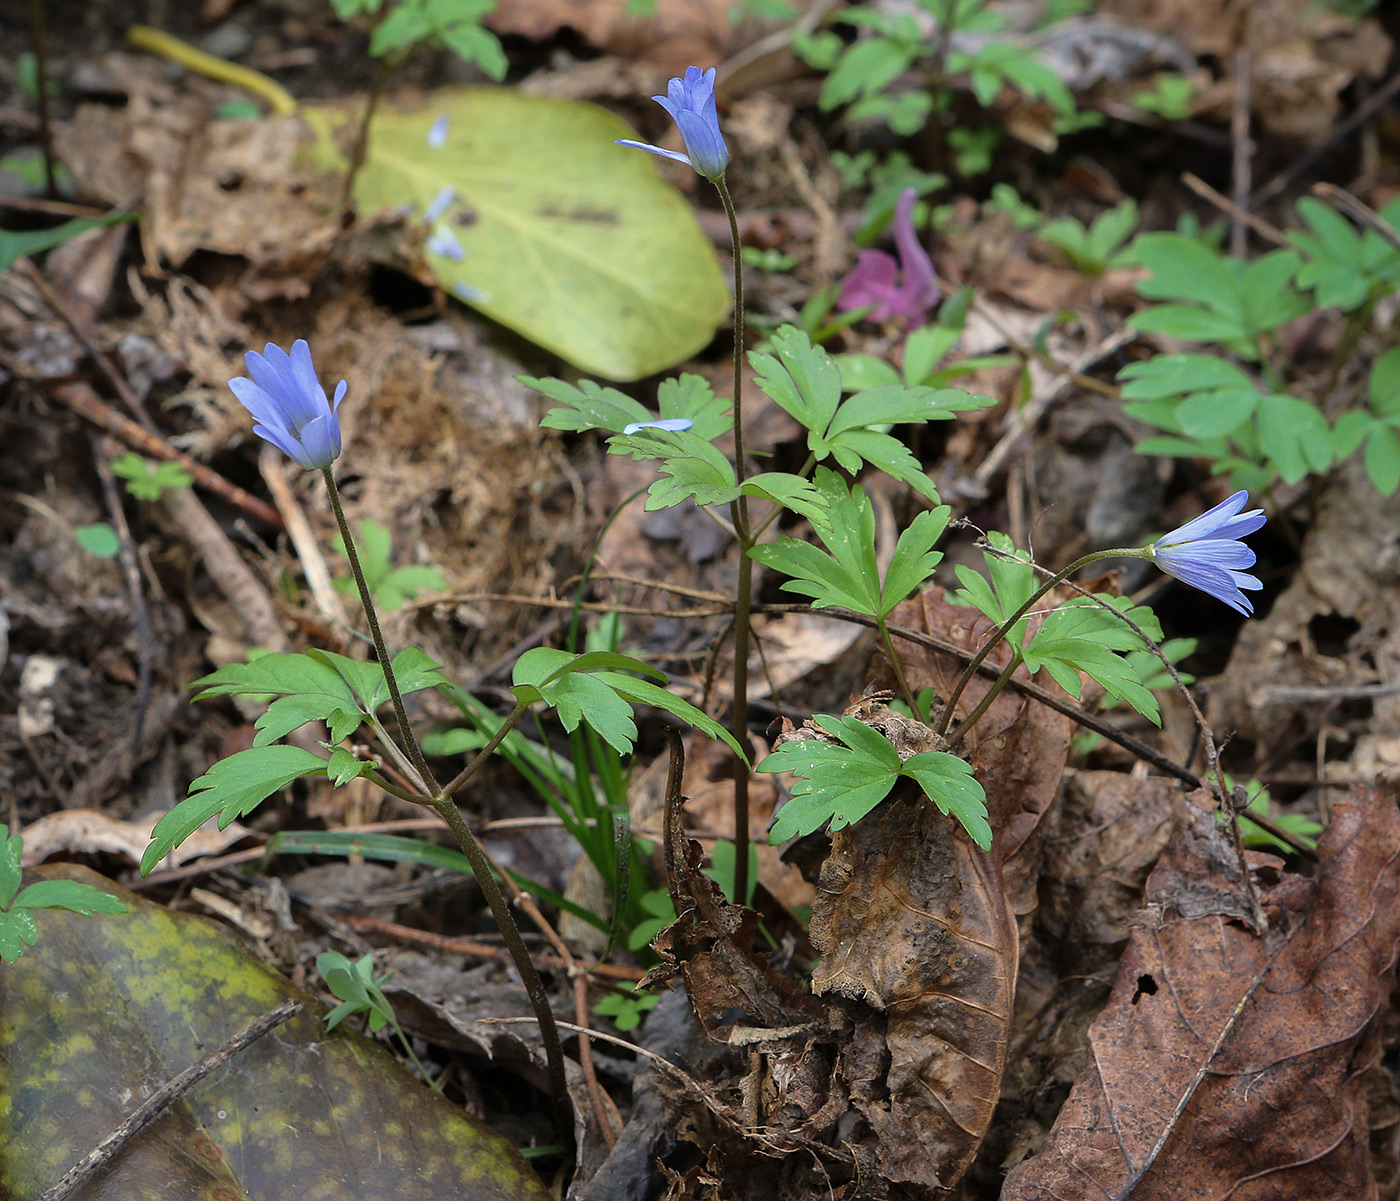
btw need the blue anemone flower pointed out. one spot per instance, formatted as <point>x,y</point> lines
<point>691,102</point>
<point>289,406</point>
<point>1206,553</point>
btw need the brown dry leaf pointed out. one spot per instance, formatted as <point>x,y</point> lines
<point>1303,54</point>
<point>88,832</point>
<point>1232,1065</point>
<point>1018,749</point>
<point>1328,627</point>
<point>1101,842</point>
<point>913,925</point>
<point>232,187</point>
<point>677,34</point>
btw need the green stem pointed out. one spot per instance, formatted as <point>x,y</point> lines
<point>739,514</point>
<point>460,780</point>
<point>446,808</point>
<point>904,689</point>
<point>391,63</point>
<point>410,740</point>
<point>41,80</point>
<point>985,703</point>
<point>945,718</point>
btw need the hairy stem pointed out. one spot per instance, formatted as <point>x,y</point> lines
<point>447,809</point>
<point>41,83</point>
<point>739,514</point>
<point>950,705</point>
<point>998,685</point>
<point>391,63</point>
<point>897,668</point>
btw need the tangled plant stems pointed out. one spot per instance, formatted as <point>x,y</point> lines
<point>291,411</point>
<point>690,100</point>
<point>1205,553</point>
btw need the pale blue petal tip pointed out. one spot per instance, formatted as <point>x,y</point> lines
<point>674,424</point>
<point>440,204</point>
<point>437,134</point>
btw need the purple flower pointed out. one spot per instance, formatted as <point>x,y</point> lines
<point>691,103</point>
<point>289,406</point>
<point>872,280</point>
<point>437,133</point>
<point>1205,554</point>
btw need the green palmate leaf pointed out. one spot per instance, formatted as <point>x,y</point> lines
<point>1383,387</point>
<point>800,377</point>
<point>1012,582</point>
<point>69,895</point>
<point>11,849</point>
<point>1294,435</point>
<point>691,396</point>
<point>587,687</point>
<point>392,587</point>
<point>841,783</point>
<point>100,539</point>
<point>352,982</point>
<point>317,686</point>
<point>790,491</point>
<point>1342,266</point>
<point>1217,413</point>
<point>700,472</point>
<point>232,788</point>
<point>1383,459</point>
<point>1189,323</point>
<point>1181,375</point>
<point>343,767</point>
<point>1081,636</point>
<point>18,929</point>
<point>1183,268</point>
<point>572,241</point>
<point>588,406</point>
<point>847,573</point>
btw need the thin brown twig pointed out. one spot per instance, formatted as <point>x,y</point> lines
<point>471,946</point>
<point>1339,132</point>
<point>84,401</point>
<point>89,343</point>
<point>131,571</point>
<point>1264,229</point>
<point>1357,211</point>
<point>159,1101</point>
<point>604,1111</point>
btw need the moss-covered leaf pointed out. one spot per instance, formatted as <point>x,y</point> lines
<point>105,1009</point>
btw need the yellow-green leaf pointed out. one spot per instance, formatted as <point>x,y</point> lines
<point>573,241</point>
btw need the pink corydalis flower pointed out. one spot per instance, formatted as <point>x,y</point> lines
<point>872,280</point>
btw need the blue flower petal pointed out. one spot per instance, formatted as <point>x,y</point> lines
<point>289,406</point>
<point>674,424</point>
<point>1205,552</point>
<point>690,101</point>
<point>671,154</point>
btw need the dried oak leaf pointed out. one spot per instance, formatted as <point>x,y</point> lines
<point>1232,1065</point>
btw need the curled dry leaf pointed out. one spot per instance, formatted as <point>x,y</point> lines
<point>1232,1065</point>
<point>914,928</point>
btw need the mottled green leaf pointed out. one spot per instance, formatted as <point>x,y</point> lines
<point>104,1011</point>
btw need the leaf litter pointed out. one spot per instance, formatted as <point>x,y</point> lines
<point>959,997</point>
